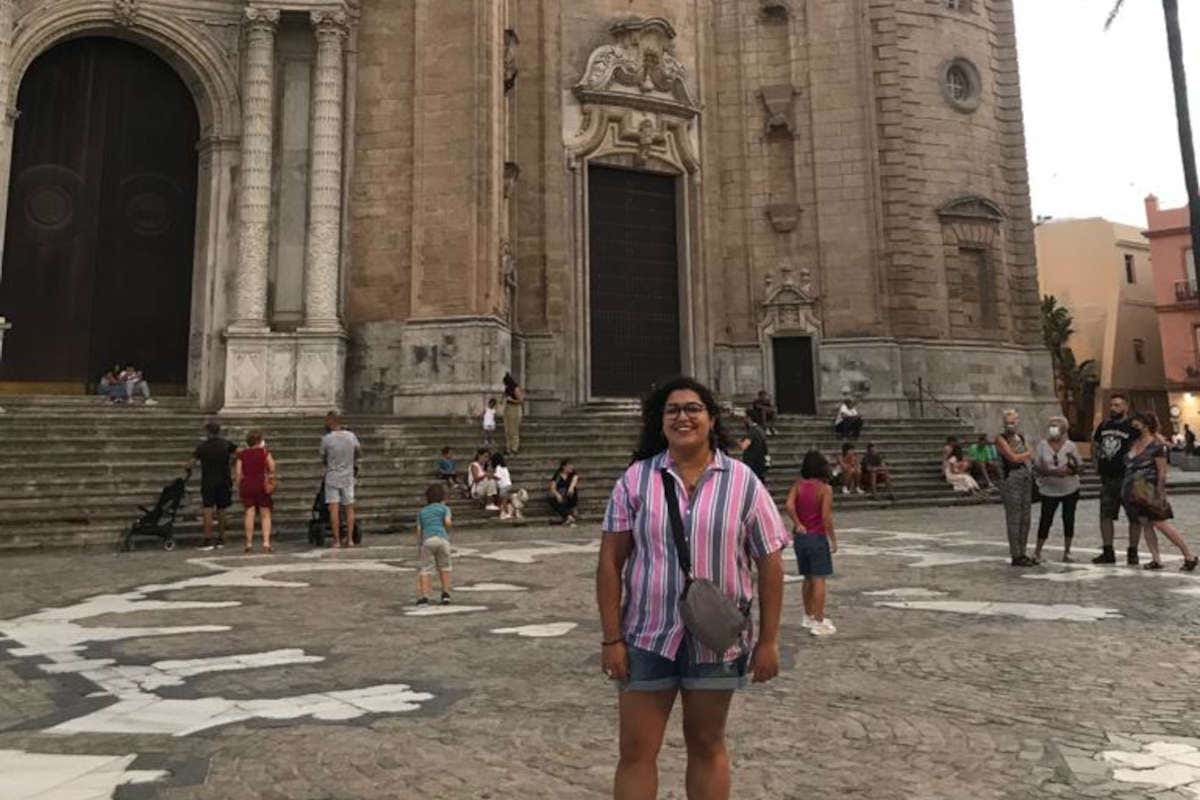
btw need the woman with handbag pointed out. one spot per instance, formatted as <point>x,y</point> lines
<point>1016,491</point>
<point>684,525</point>
<point>1145,491</point>
<point>1056,464</point>
<point>255,478</point>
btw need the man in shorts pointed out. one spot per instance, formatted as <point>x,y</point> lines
<point>339,453</point>
<point>1110,443</point>
<point>214,455</point>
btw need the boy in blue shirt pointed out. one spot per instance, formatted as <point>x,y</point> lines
<point>433,524</point>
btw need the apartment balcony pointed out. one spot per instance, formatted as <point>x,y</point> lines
<point>1186,292</point>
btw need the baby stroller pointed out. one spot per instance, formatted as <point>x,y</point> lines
<point>160,520</point>
<point>318,523</point>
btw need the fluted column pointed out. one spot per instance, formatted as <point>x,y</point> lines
<point>254,197</point>
<point>322,254</point>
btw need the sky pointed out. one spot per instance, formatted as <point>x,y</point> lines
<point>1100,121</point>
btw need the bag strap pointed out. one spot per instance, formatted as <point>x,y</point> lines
<point>682,550</point>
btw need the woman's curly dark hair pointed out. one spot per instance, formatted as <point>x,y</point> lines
<point>652,441</point>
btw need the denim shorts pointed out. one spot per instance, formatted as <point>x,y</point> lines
<point>813,558</point>
<point>650,672</point>
<point>341,496</point>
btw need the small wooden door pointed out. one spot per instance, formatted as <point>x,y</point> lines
<point>633,281</point>
<point>101,219</point>
<point>795,384</point>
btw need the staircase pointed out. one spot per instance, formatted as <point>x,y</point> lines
<point>73,470</point>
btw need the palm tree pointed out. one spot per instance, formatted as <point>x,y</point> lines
<point>1182,113</point>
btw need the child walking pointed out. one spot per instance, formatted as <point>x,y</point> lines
<point>433,524</point>
<point>810,505</point>
<point>489,422</point>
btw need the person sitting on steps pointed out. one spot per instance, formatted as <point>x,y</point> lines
<point>851,470</point>
<point>564,493</point>
<point>135,383</point>
<point>848,423</point>
<point>762,412</point>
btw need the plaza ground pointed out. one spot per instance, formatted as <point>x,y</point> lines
<point>303,675</point>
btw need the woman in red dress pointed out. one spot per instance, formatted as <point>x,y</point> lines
<point>255,481</point>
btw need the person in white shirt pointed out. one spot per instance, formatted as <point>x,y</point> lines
<point>481,482</point>
<point>489,422</point>
<point>1056,470</point>
<point>504,485</point>
<point>848,423</point>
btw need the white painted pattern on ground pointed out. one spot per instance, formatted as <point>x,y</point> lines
<point>1029,611</point>
<point>538,550</point>
<point>906,592</point>
<point>47,776</point>
<point>441,611</point>
<point>1166,765</point>
<point>492,587</point>
<point>542,631</point>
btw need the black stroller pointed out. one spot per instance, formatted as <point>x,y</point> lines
<point>318,523</point>
<point>159,521</point>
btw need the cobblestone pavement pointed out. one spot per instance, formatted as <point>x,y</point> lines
<point>303,675</point>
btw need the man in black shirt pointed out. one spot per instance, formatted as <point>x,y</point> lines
<point>214,455</point>
<point>754,450</point>
<point>1110,443</point>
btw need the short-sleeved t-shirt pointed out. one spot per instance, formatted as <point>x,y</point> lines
<point>872,461</point>
<point>432,519</point>
<point>214,455</point>
<point>337,449</point>
<point>1111,442</point>
<point>446,466</point>
<point>982,452</point>
<point>755,454</point>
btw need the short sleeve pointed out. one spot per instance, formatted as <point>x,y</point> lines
<point>621,512</point>
<point>765,531</point>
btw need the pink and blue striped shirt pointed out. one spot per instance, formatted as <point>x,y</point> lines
<point>730,520</point>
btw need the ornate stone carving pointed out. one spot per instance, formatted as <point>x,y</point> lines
<point>640,70</point>
<point>508,279</point>
<point>789,304</point>
<point>325,177</point>
<point>974,220</point>
<point>510,59</point>
<point>779,9</point>
<point>512,173</point>
<point>784,216</point>
<point>126,12</point>
<point>779,102</point>
<point>254,199</point>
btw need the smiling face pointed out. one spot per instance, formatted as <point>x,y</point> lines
<point>686,421</point>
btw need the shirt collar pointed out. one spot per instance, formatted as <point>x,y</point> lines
<point>720,462</point>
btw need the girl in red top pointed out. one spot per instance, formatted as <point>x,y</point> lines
<point>255,478</point>
<point>810,506</point>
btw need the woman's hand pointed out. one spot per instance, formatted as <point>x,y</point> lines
<point>832,545</point>
<point>614,660</point>
<point>765,662</point>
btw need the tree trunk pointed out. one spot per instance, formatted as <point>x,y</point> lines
<point>1179,75</point>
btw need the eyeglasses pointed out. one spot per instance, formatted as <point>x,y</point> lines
<point>691,409</point>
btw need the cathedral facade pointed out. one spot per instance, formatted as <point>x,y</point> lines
<point>385,205</point>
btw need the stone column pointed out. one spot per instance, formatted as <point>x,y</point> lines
<point>254,197</point>
<point>8,114</point>
<point>323,252</point>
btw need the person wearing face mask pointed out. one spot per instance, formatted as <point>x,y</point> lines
<point>1110,443</point>
<point>1056,464</point>
<point>1145,491</point>
<point>1016,491</point>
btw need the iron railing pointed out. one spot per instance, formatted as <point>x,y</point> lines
<point>1186,291</point>
<point>925,394</point>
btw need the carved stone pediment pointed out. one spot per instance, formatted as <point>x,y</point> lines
<point>780,103</point>
<point>639,71</point>
<point>974,220</point>
<point>789,304</point>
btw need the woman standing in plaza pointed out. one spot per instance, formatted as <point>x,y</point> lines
<point>514,409</point>
<point>1144,491</point>
<point>1016,491</point>
<point>729,522</point>
<point>255,479</point>
<point>1056,464</point>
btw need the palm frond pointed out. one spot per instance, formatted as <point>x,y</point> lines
<point>1112,15</point>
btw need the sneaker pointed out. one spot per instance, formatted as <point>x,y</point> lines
<point>845,490</point>
<point>445,598</point>
<point>505,515</point>
<point>151,401</point>
<point>207,546</point>
<point>1107,556</point>
<point>423,601</point>
<point>807,622</point>
<point>859,491</point>
<point>491,507</point>
<point>220,545</point>
<point>822,628</point>
<point>1131,557</point>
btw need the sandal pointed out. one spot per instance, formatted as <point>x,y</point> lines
<point>1190,564</point>
<point>248,548</point>
<point>1153,565</point>
<point>268,549</point>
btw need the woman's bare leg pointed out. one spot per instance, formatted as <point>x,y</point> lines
<point>704,716</point>
<point>1171,532</point>
<point>266,526</point>
<point>643,721</point>
<point>249,526</point>
<point>1151,539</point>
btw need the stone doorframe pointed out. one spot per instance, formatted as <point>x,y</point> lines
<point>789,309</point>
<point>637,112</point>
<point>211,76</point>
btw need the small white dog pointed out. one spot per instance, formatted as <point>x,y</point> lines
<point>517,501</point>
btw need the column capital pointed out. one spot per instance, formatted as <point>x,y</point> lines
<point>330,22</point>
<point>262,18</point>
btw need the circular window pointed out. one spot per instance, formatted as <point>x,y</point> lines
<point>961,84</point>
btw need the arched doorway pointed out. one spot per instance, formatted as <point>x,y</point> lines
<point>101,221</point>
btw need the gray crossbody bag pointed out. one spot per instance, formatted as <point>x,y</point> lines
<point>712,617</point>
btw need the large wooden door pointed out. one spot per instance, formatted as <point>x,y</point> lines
<point>795,385</point>
<point>633,281</point>
<point>101,220</point>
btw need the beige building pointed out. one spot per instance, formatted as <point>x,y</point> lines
<point>1101,272</point>
<point>386,204</point>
